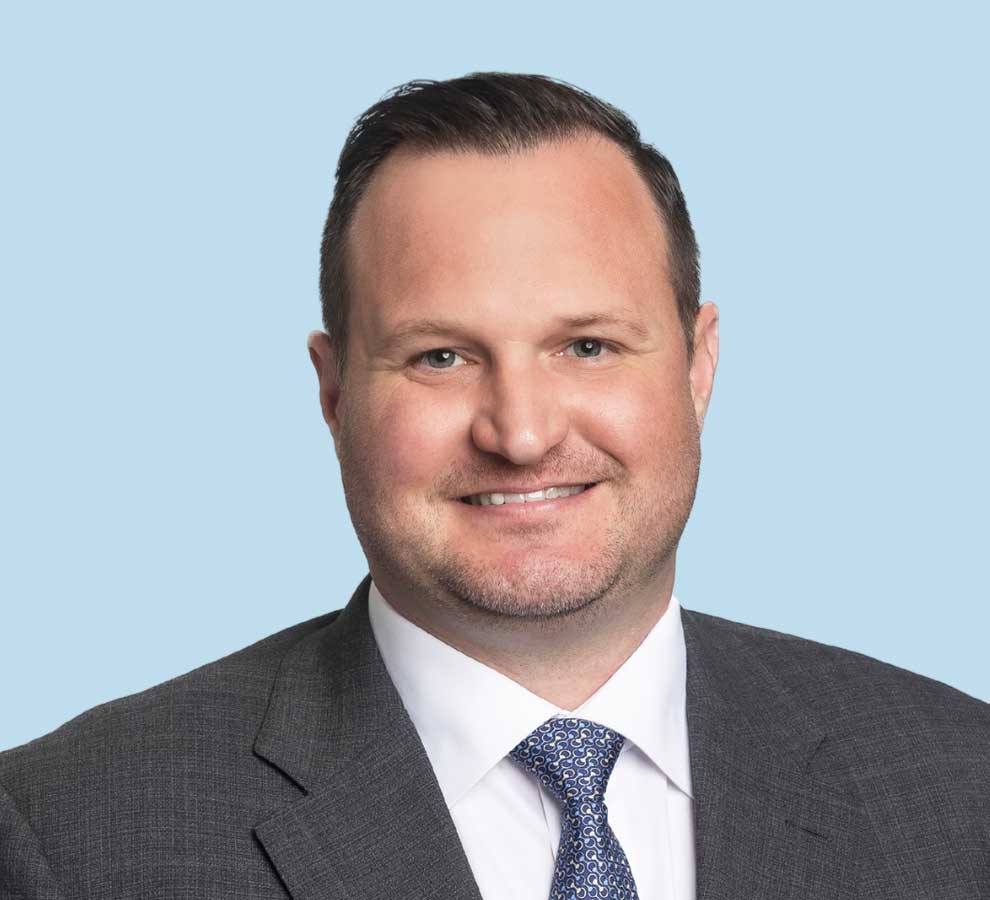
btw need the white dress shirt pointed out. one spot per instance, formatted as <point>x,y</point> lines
<point>470,716</point>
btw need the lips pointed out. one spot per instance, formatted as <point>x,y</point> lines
<point>508,496</point>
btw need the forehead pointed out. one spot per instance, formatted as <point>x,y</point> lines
<point>567,222</point>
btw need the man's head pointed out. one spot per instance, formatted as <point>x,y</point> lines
<point>497,114</point>
<point>510,287</point>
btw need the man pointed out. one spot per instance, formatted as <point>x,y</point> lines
<point>515,372</point>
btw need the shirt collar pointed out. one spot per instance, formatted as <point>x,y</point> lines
<point>469,716</point>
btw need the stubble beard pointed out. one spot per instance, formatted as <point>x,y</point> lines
<point>542,588</point>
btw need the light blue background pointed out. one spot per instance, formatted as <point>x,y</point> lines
<point>170,492</point>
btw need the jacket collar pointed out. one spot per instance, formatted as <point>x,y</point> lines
<point>773,812</point>
<point>776,814</point>
<point>373,822</point>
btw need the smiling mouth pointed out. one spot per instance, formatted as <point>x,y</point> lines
<point>555,492</point>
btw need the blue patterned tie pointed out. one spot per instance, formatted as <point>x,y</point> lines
<point>573,758</point>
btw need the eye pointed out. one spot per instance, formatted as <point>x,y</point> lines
<point>587,348</point>
<point>440,358</point>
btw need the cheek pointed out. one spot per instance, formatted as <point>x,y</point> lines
<point>414,439</point>
<point>636,420</point>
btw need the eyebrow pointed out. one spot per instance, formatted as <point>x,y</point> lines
<point>415,328</point>
<point>635,326</point>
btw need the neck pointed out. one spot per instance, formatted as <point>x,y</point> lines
<point>563,659</point>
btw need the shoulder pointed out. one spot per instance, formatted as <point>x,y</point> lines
<point>882,714</point>
<point>209,713</point>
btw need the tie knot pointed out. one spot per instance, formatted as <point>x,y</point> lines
<point>572,757</point>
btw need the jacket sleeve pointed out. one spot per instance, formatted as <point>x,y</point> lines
<point>24,871</point>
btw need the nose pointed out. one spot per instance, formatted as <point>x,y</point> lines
<point>521,415</point>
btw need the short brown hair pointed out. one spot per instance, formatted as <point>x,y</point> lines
<point>497,113</point>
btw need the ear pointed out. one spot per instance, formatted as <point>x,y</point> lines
<point>325,362</point>
<point>705,359</point>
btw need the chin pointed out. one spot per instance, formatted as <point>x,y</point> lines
<point>541,588</point>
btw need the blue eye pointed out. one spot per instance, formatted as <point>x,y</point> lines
<point>441,358</point>
<point>587,347</point>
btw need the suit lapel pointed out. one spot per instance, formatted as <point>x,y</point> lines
<point>373,822</point>
<point>774,816</point>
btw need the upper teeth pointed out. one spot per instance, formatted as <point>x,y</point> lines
<point>550,493</point>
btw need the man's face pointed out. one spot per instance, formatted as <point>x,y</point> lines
<point>513,328</point>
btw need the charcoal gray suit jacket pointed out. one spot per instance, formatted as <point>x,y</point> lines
<point>290,769</point>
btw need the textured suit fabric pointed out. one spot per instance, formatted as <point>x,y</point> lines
<point>290,769</point>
